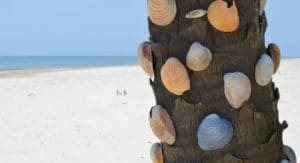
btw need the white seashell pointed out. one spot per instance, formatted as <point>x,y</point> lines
<point>262,6</point>
<point>196,14</point>
<point>214,133</point>
<point>198,57</point>
<point>156,153</point>
<point>162,125</point>
<point>162,12</point>
<point>285,161</point>
<point>237,88</point>
<point>290,154</point>
<point>264,70</point>
<point>145,58</point>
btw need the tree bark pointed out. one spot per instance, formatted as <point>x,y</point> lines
<point>257,131</point>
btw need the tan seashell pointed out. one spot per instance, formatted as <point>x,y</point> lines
<point>162,125</point>
<point>156,153</point>
<point>145,58</point>
<point>262,6</point>
<point>237,88</point>
<point>198,57</point>
<point>175,76</point>
<point>289,152</point>
<point>223,18</point>
<point>162,12</point>
<point>264,70</point>
<point>274,52</point>
<point>196,14</point>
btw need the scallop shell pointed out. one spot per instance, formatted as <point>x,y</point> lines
<point>195,14</point>
<point>145,58</point>
<point>264,70</point>
<point>290,154</point>
<point>214,133</point>
<point>162,12</point>
<point>285,161</point>
<point>223,18</point>
<point>237,88</point>
<point>156,153</point>
<point>262,6</point>
<point>274,52</point>
<point>162,125</point>
<point>198,57</point>
<point>175,77</point>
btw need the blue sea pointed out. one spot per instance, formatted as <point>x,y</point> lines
<point>45,62</point>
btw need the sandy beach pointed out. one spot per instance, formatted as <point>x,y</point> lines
<point>98,115</point>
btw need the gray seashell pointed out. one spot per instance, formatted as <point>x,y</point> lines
<point>290,154</point>
<point>264,70</point>
<point>156,153</point>
<point>196,14</point>
<point>198,57</point>
<point>214,133</point>
<point>285,161</point>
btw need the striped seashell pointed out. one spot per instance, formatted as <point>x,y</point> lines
<point>196,14</point>
<point>162,12</point>
<point>198,57</point>
<point>145,58</point>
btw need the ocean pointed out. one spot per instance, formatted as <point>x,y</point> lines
<point>45,62</point>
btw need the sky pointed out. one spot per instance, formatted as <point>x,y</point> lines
<point>98,27</point>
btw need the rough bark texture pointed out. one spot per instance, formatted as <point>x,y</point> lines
<point>257,131</point>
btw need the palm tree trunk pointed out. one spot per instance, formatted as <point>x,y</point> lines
<point>257,132</point>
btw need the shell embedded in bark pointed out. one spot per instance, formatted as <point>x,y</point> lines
<point>145,58</point>
<point>162,12</point>
<point>274,52</point>
<point>156,153</point>
<point>237,88</point>
<point>223,18</point>
<point>214,132</point>
<point>264,70</point>
<point>285,161</point>
<point>289,152</point>
<point>195,14</point>
<point>262,6</point>
<point>198,57</point>
<point>175,77</point>
<point>162,125</point>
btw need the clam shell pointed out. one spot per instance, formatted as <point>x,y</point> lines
<point>145,58</point>
<point>214,133</point>
<point>274,52</point>
<point>237,88</point>
<point>156,153</point>
<point>162,12</point>
<point>285,161</point>
<point>262,6</point>
<point>264,70</point>
<point>290,154</point>
<point>198,57</point>
<point>162,125</point>
<point>196,14</point>
<point>223,18</point>
<point>175,77</point>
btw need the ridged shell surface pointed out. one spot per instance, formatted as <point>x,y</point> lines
<point>162,12</point>
<point>264,70</point>
<point>145,59</point>
<point>214,133</point>
<point>198,57</point>
<point>237,87</point>
<point>196,14</point>
<point>162,125</point>
<point>156,153</point>
<point>275,53</point>
<point>175,77</point>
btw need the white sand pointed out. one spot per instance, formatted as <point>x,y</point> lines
<point>77,116</point>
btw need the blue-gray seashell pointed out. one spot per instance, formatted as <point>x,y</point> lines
<point>214,133</point>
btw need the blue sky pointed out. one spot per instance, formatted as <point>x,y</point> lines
<point>98,27</point>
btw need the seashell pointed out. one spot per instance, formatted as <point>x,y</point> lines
<point>237,88</point>
<point>285,161</point>
<point>162,125</point>
<point>175,76</point>
<point>195,14</point>
<point>274,52</point>
<point>156,153</point>
<point>262,6</point>
<point>162,12</point>
<point>145,58</point>
<point>289,152</point>
<point>198,57</point>
<point>214,132</point>
<point>264,70</point>
<point>223,18</point>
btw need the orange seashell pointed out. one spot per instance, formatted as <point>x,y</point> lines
<point>175,76</point>
<point>223,18</point>
<point>262,6</point>
<point>274,52</point>
<point>162,12</point>
<point>162,125</point>
<point>156,153</point>
<point>145,58</point>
